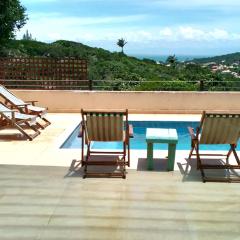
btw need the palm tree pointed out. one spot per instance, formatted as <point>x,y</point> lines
<point>121,43</point>
<point>172,60</point>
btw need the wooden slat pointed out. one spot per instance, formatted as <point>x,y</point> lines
<point>44,72</point>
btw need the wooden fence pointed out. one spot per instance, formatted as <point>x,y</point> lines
<point>44,73</point>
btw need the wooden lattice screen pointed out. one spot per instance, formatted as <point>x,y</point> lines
<point>44,73</point>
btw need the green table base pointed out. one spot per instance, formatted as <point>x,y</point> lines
<point>168,136</point>
<point>150,156</point>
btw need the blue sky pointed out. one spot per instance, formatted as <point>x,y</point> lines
<point>154,27</point>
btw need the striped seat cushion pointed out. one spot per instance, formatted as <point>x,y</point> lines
<point>220,129</point>
<point>104,127</point>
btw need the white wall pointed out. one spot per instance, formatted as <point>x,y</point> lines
<point>136,102</point>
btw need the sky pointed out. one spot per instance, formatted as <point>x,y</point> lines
<point>151,27</point>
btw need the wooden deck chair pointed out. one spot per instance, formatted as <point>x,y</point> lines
<point>106,126</point>
<point>27,107</point>
<point>216,128</point>
<point>9,117</point>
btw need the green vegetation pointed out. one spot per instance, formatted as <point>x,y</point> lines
<point>226,59</point>
<point>12,17</point>
<point>116,71</point>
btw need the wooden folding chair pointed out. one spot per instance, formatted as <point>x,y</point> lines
<point>105,126</point>
<point>216,128</point>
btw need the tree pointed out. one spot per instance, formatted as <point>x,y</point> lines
<point>121,43</point>
<point>172,60</point>
<point>27,36</point>
<point>12,18</point>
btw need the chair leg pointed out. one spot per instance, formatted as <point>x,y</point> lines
<point>46,121</point>
<point>233,146</point>
<point>198,157</point>
<point>39,125</point>
<point>124,161</point>
<point>86,161</point>
<point>82,153</point>
<point>199,164</point>
<point>28,136</point>
<point>191,151</point>
<point>128,153</point>
<point>229,152</point>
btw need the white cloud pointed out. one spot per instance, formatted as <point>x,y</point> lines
<point>36,1</point>
<point>55,19</point>
<point>190,33</point>
<point>207,35</point>
<point>189,4</point>
<point>167,3</point>
<point>50,27</point>
<point>166,32</point>
<point>220,34</point>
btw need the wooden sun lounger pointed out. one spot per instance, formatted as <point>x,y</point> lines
<point>9,117</point>
<point>27,107</point>
<point>216,128</point>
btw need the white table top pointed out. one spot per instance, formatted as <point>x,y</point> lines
<point>165,134</point>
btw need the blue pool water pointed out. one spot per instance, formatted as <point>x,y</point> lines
<point>139,142</point>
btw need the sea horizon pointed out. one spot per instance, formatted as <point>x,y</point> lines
<point>163,58</point>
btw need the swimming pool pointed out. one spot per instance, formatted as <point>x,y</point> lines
<point>139,142</point>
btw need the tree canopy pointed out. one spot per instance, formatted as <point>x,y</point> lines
<point>172,60</point>
<point>12,18</point>
<point>121,43</point>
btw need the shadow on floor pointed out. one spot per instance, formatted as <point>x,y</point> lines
<point>190,173</point>
<point>12,137</point>
<point>76,169</point>
<point>159,164</point>
<point>9,134</point>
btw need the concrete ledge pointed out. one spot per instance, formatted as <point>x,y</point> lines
<point>137,102</point>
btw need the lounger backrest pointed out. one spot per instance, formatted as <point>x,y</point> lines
<point>3,108</point>
<point>104,126</point>
<point>5,111</point>
<point>220,128</point>
<point>9,96</point>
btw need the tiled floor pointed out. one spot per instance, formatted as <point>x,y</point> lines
<point>52,203</point>
<point>42,198</point>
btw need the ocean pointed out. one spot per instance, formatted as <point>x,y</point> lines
<point>163,58</point>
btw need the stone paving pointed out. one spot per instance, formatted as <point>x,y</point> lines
<point>42,197</point>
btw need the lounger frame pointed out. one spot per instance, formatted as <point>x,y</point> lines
<point>210,132</point>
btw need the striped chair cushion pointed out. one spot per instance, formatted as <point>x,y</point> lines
<point>104,127</point>
<point>220,129</point>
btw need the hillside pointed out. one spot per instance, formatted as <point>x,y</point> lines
<point>226,59</point>
<point>117,71</point>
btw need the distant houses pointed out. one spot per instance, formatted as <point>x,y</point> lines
<point>223,68</point>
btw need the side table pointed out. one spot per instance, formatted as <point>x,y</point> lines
<point>161,135</point>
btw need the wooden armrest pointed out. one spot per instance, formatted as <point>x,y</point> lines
<point>130,132</point>
<point>80,134</point>
<point>191,132</point>
<point>7,111</point>
<point>23,105</point>
<point>31,102</point>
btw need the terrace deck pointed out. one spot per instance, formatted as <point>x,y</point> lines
<point>41,198</point>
